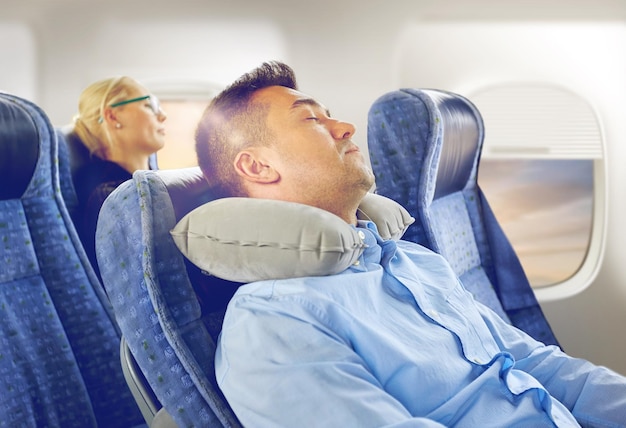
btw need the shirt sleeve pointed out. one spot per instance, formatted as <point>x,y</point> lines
<point>595,395</point>
<point>280,367</point>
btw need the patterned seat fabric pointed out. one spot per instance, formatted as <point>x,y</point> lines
<point>155,292</point>
<point>425,148</point>
<point>59,345</point>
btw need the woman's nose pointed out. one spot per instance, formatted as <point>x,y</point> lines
<point>161,116</point>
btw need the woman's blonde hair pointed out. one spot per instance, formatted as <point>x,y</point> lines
<point>89,121</point>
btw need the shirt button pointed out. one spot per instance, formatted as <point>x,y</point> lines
<point>433,313</point>
<point>358,262</point>
<point>361,235</point>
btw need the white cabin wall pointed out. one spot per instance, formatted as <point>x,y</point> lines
<point>341,50</point>
<point>149,44</point>
<point>18,47</point>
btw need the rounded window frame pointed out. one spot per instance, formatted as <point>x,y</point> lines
<point>591,263</point>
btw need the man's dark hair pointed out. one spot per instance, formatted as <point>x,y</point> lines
<point>232,122</point>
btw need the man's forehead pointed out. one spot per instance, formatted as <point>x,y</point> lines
<point>286,97</point>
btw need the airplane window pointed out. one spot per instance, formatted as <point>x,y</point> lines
<point>545,209</point>
<point>182,117</point>
<point>184,101</point>
<point>541,169</point>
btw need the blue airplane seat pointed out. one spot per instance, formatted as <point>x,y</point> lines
<point>72,154</point>
<point>425,149</point>
<point>170,335</point>
<point>59,364</point>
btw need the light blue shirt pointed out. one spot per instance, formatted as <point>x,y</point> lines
<point>396,340</point>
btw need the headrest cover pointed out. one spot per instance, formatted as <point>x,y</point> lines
<point>19,149</point>
<point>246,239</point>
<point>434,133</point>
<point>462,141</point>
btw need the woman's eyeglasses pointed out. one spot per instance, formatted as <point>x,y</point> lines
<point>155,105</point>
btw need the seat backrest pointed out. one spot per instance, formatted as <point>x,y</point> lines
<point>170,333</point>
<point>72,154</point>
<point>425,149</point>
<point>59,363</point>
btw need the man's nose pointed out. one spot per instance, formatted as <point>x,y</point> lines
<point>343,130</point>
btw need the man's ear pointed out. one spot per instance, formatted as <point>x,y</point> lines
<point>251,165</point>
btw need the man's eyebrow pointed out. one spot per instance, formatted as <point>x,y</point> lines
<point>309,102</point>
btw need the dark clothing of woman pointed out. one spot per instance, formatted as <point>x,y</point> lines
<point>93,183</point>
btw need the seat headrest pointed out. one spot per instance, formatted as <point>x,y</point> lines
<point>444,128</point>
<point>187,189</point>
<point>462,133</point>
<point>19,149</point>
<point>78,153</point>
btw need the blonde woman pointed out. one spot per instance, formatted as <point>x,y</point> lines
<point>122,125</point>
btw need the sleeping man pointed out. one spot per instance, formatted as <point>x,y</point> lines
<point>392,340</point>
